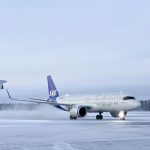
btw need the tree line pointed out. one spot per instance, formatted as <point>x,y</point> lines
<point>145,105</point>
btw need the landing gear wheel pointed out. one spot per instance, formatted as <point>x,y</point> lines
<point>73,118</point>
<point>99,117</point>
<point>122,118</point>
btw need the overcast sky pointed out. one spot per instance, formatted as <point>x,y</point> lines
<point>88,46</point>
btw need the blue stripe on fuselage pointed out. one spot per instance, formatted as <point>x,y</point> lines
<point>59,107</point>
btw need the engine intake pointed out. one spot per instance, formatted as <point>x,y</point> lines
<point>78,112</point>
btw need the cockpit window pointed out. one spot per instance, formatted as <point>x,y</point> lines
<point>128,97</point>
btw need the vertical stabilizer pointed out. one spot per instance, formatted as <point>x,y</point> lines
<point>53,93</point>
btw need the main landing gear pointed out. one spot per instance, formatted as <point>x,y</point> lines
<point>73,118</point>
<point>99,117</point>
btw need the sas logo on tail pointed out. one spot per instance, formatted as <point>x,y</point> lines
<point>53,93</point>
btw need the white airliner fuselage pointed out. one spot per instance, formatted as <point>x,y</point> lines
<point>104,103</point>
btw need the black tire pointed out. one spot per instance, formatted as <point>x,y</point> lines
<point>71,118</point>
<point>101,117</point>
<point>97,117</point>
<point>122,119</point>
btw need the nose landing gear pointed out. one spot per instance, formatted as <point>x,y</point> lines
<point>122,118</point>
<point>122,115</point>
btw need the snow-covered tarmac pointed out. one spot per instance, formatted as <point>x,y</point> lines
<point>50,130</point>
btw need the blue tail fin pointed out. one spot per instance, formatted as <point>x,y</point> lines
<point>53,93</point>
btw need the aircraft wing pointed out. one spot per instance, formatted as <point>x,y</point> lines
<point>25,100</point>
<point>51,102</point>
<point>44,101</point>
<point>32,100</point>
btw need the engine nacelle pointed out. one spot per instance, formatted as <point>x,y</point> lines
<point>119,114</point>
<point>78,112</point>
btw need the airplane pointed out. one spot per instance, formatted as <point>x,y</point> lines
<point>116,104</point>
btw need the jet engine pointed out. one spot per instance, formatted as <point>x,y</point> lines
<point>77,112</point>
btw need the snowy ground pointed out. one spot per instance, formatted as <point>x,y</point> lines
<point>52,130</point>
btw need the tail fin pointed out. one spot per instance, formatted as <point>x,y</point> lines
<point>53,93</point>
